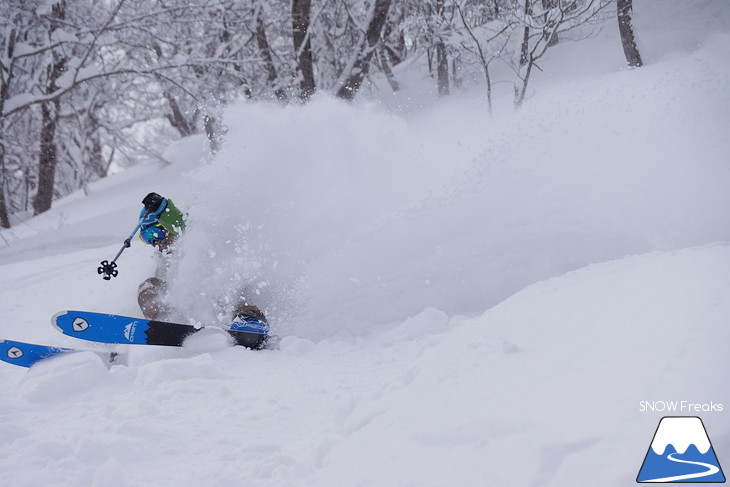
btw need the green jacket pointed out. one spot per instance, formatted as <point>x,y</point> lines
<point>172,219</point>
<point>174,222</point>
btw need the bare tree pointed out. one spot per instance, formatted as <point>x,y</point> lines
<point>547,6</point>
<point>143,55</point>
<point>301,11</point>
<point>6,74</point>
<point>185,125</point>
<point>50,115</point>
<point>354,74</point>
<point>384,61</point>
<point>442,59</point>
<point>266,54</point>
<point>88,74</point>
<point>60,55</point>
<point>626,30</point>
<point>488,50</point>
<point>394,38</point>
<point>540,28</point>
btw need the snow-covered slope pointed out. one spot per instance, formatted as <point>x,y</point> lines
<point>542,389</point>
<point>461,300</point>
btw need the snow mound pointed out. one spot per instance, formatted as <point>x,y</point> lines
<point>62,376</point>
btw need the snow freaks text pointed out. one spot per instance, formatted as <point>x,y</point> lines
<point>679,407</point>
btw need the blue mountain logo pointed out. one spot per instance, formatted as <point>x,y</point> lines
<point>681,452</point>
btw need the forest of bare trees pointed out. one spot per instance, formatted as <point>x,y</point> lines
<point>78,78</point>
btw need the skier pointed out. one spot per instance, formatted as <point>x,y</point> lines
<point>161,224</point>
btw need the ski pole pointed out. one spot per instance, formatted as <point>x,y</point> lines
<point>152,203</point>
<point>109,269</point>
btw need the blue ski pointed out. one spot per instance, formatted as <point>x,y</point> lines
<point>26,354</point>
<point>108,328</point>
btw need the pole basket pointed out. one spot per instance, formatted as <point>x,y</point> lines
<point>108,269</point>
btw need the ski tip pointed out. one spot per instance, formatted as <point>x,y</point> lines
<point>56,317</point>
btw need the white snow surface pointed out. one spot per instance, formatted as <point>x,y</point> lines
<point>461,300</point>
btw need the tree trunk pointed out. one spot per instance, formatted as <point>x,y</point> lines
<point>525,47</point>
<point>4,213</point>
<point>263,43</point>
<point>625,28</point>
<point>442,59</point>
<point>177,118</point>
<point>366,48</point>
<point>48,160</point>
<point>5,79</point>
<point>442,68</point>
<point>302,46</point>
<point>213,132</point>
<point>96,150</point>
<point>522,92</point>
<point>395,41</point>
<point>385,66</point>
<point>550,31</point>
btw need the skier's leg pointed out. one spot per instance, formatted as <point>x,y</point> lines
<point>151,298</point>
